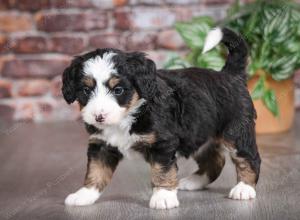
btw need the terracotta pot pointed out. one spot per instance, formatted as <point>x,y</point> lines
<point>266,122</point>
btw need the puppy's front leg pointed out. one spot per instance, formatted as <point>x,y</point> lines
<point>102,162</point>
<point>164,181</point>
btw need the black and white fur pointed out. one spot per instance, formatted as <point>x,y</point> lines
<point>160,114</point>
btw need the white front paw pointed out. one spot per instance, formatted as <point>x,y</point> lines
<point>84,196</point>
<point>164,199</point>
<point>242,191</point>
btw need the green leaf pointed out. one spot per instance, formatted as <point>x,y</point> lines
<point>211,60</point>
<point>193,56</point>
<point>270,101</point>
<point>259,88</point>
<point>252,21</point>
<point>175,62</point>
<point>295,15</point>
<point>194,33</point>
<point>278,62</point>
<point>272,30</point>
<point>292,46</point>
<point>284,67</point>
<point>233,9</point>
<point>204,19</point>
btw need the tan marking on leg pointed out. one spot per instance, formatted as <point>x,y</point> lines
<point>244,171</point>
<point>112,82</point>
<point>243,168</point>
<point>211,162</point>
<point>144,143</point>
<point>164,178</point>
<point>98,175</point>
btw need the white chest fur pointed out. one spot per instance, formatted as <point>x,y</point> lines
<point>120,138</point>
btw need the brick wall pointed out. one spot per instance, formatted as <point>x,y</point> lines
<point>38,38</point>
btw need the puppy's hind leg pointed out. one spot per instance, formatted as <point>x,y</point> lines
<point>102,161</point>
<point>211,162</point>
<point>246,158</point>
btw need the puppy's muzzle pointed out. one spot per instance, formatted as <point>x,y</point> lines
<point>100,118</point>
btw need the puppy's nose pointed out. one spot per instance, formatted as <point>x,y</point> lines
<point>100,118</point>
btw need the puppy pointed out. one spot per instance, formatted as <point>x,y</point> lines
<point>129,106</point>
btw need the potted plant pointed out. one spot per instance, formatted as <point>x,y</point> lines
<point>272,31</point>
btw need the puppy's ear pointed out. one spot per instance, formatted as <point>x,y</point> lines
<point>143,71</point>
<point>68,87</point>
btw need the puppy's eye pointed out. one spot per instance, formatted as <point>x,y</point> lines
<point>86,90</point>
<point>118,90</point>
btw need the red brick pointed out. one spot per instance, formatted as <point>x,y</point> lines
<point>81,4</point>
<point>40,44</point>
<point>40,67</point>
<point>11,22</point>
<point>152,18</point>
<point>74,4</point>
<point>29,44</point>
<point>3,44</point>
<point>4,59</point>
<point>33,87</point>
<point>67,44</point>
<point>5,89</point>
<point>56,85</point>
<point>30,5</point>
<point>119,2</point>
<point>6,4</point>
<point>216,11</point>
<point>183,13</point>
<point>122,19</point>
<point>147,2</point>
<point>170,39</point>
<point>144,18</point>
<point>104,4</point>
<point>106,40</point>
<point>52,22</point>
<point>214,2</point>
<point>141,41</point>
<point>183,2</point>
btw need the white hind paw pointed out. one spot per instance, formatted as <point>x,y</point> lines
<point>193,182</point>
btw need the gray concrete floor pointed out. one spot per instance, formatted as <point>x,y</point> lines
<point>41,164</point>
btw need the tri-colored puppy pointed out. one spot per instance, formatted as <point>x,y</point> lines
<point>129,106</point>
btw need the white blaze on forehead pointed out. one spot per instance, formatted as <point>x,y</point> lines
<point>102,101</point>
<point>101,68</point>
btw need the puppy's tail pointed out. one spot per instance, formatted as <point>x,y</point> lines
<point>238,52</point>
